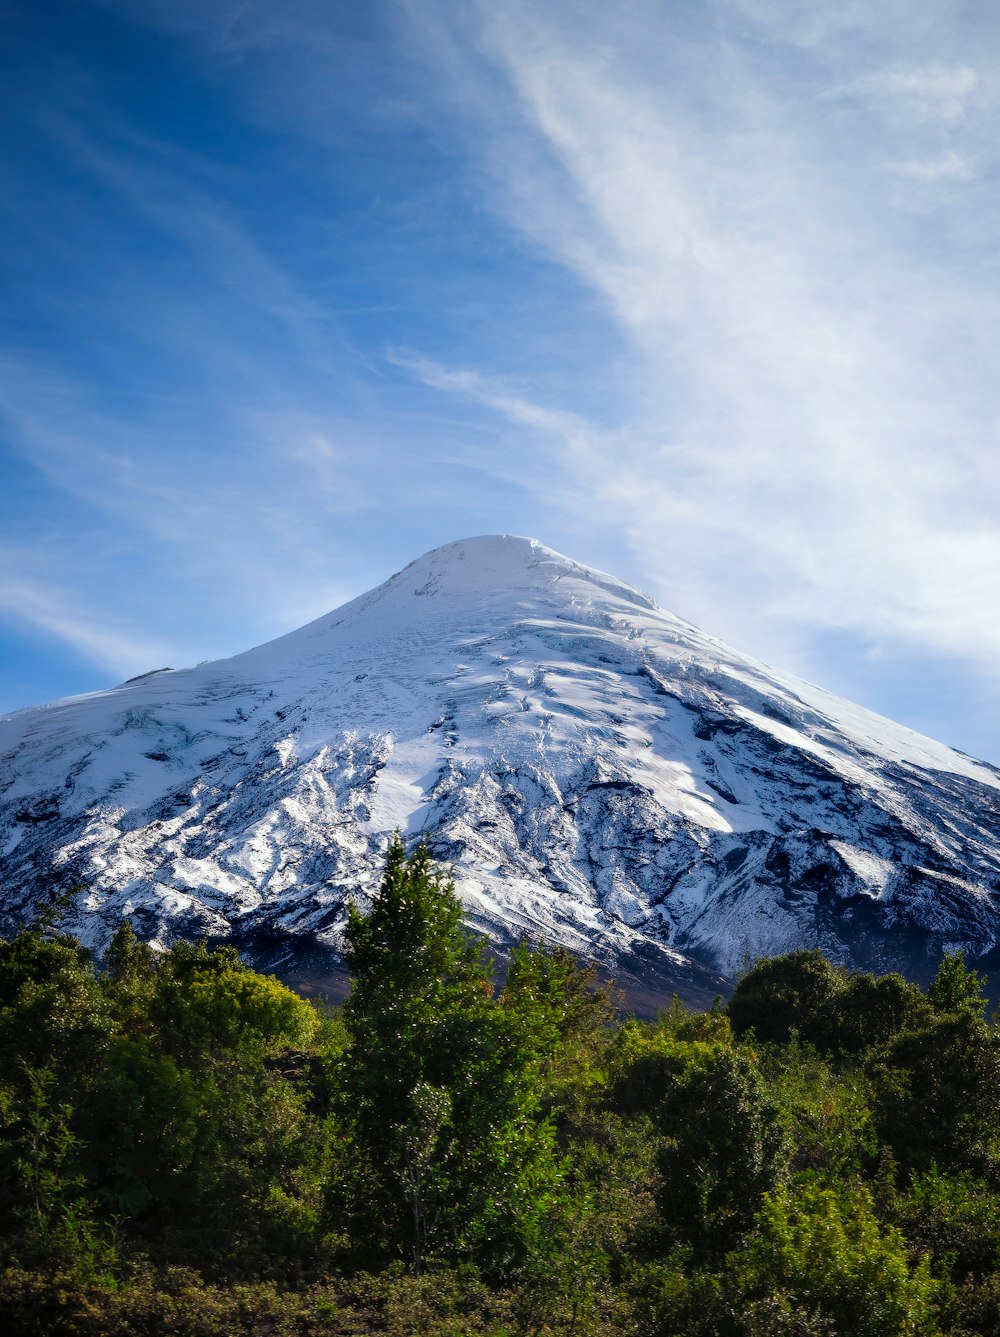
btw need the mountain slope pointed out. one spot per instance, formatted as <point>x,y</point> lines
<point>597,770</point>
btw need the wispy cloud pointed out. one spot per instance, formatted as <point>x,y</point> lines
<point>58,613</point>
<point>935,93</point>
<point>947,166</point>
<point>799,444</point>
<point>183,199</point>
<point>566,430</point>
<point>230,542</point>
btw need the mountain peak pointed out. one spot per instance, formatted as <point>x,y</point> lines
<point>481,581</point>
<point>497,563</point>
<point>482,562</point>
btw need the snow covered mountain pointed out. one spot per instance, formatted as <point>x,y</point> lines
<point>598,771</point>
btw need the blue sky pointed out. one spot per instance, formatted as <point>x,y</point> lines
<point>705,294</point>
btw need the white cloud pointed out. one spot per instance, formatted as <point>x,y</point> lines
<point>948,166</point>
<point>930,92</point>
<point>568,429</point>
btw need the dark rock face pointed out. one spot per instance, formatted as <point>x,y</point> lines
<point>598,772</point>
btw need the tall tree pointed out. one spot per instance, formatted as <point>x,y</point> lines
<point>447,1149</point>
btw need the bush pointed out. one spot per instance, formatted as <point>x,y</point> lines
<point>822,1254</point>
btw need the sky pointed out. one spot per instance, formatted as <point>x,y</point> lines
<point>705,294</point>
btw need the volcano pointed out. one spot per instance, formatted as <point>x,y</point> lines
<point>598,773</point>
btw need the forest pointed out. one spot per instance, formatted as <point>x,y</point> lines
<point>188,1147</point>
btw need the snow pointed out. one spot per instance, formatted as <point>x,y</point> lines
<point>597,770</point>
<point>875,873</point>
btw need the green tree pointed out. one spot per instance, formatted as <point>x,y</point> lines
<point>421,1017</point>
<point>956,988</point>
<point>955,1219</point>
<point>54,1032</point>
<point>722,1143</point>
<point>419,1137</point>
<point>563,1013</point>
<point>935,1093</point>
<point>55,1219</point>
<point>784,993</point>
<point>868,1011</point>
<point>825,1109</point>
<point>208,1002</point>
<point>724,1148</point>
<point>129,977</point>
<point>51,1008</point>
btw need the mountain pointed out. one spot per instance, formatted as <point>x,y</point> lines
<point>598,771</point>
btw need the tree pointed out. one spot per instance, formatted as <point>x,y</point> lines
<point>440,1093</point>
<point>722,1143</point>
<point>785,993</point>
<point>564,1012</point>
<point>724,1148</point>
<point>209,1001</point>
<point>869,1010</point>
<point>430,1108</point>
<point>935,1093</point>
<point>420,990</point>
<point>956,988</point>
<point>51,1009</point>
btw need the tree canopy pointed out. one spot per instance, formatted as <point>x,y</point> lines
<point>479,1146</point>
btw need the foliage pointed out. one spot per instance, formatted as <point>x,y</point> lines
<point>824,1109</point>
<point>440,1084</point>
<point>954,1219</point>
<point>868,1011</point>
<point>785,993</point>
<point>956,988</point>
<point>563,1013</point>
<point>724,1147</point>
<point>935,1093</point>
<point>186,1146</point>
<point>209,1002</point>
<point>823,1252</point>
